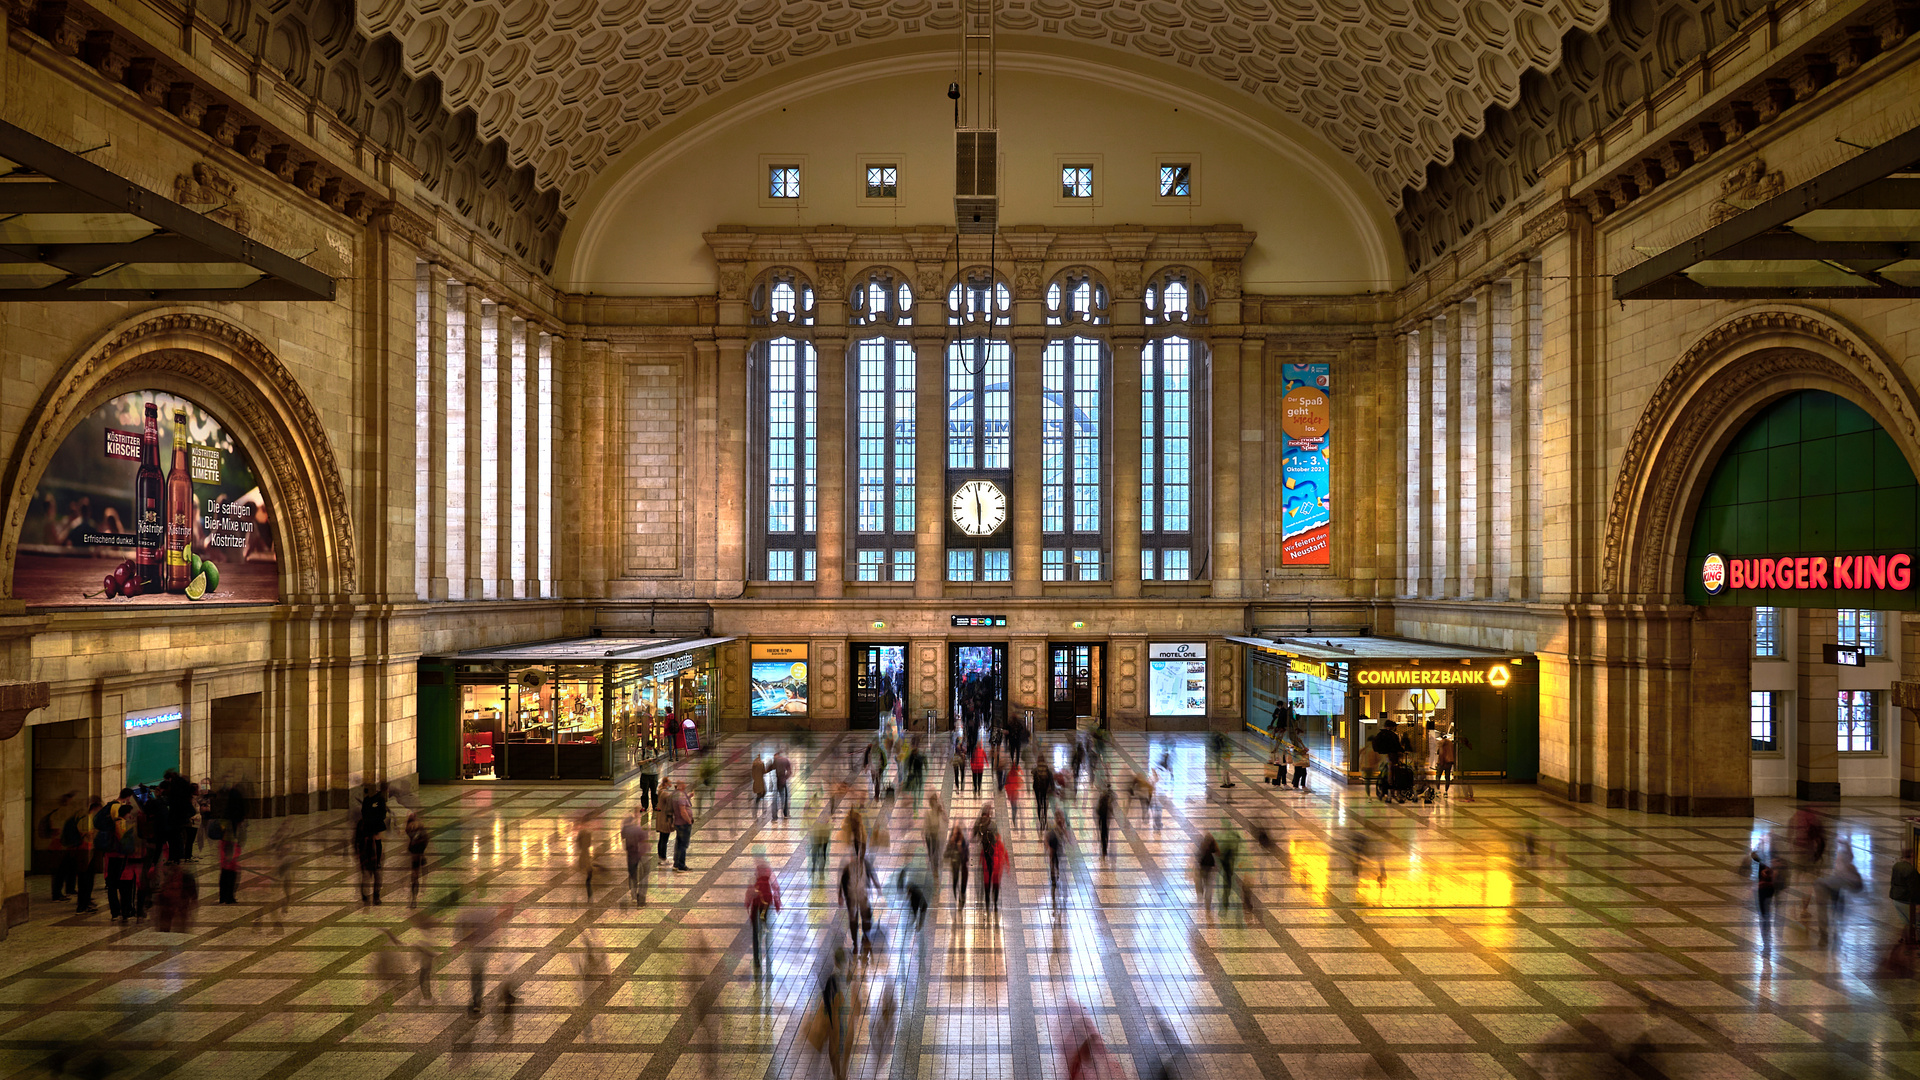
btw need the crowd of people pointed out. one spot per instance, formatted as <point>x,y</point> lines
<point>139,847</point>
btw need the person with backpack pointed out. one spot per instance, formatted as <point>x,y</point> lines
<point>1766,885</point>
<point>112,838</point>
<point>49,830</point>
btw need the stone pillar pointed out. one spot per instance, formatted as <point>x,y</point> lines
<point>1249,439</point>
<point>930,462</point>
<point>1497,492</point>
<point>730,528</point>
<point>1029,345</point>
<point>1907,703</point>
<point>499,569</point>
<point>1484,464</point>
<point>1816,754</point>
<point>515,439</point>
<point>1126,465</point>
<point>1435,412</point>
<point>539,451</point>
<point>1709,772</point>
<point>1224,557</point>
<point>437,424</point>
<point>479,319</point>
<point>1523,535</point>
<point>1414,514</point>
<point>830,536</point>
<point>1460,444</point>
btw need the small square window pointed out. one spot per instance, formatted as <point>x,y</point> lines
<point>1176,180</point>
<point>783,181</point>
<point>1053,564</point>
<point>959,566</point>
<point>883,182</point>
<point>1086,564</point>
<point>903,566</point>
<point>1076,181</point>
<point>1859,722</point>
<point>869,565</point>
<point>1173,564</point>
<point>1760,717</point>
<point>779,566</point>
<point>996,565</point>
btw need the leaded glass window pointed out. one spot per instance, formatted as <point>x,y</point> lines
<point>1073,447</point>
<point>789,488</point>
<point>1167,444</point>
<point>884,449</point>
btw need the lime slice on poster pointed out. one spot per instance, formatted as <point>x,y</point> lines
<point>212,574</point>
<point>197,588</point>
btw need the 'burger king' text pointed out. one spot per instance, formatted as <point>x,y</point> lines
<point>1893,572</point>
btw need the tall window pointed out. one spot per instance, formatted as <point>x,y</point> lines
<point>1860,627</point>
<point>1072,454</point>
<point>1166,459</point>
<point>884,453</point>
<point>1761,722</point>
<point>790,489</point>
<point>979,447</point>
<point>1859,721</point>
<point>1766,632</point>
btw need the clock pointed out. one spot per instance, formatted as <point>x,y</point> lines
<point>979,507</point>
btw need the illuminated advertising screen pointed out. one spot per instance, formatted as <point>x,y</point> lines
<point>150,500</point>
<point>1177,679</point>
<point>1306,427</point>
<point>778,674</point>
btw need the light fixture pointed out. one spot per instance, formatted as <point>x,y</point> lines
<point>1079,626</point>
<point>879,625</point>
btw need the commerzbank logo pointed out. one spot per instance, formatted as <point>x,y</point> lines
<point>1713,574</point>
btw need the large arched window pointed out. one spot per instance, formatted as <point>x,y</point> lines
<point>979,427</point>
<point>1170,449</point>
<point>786,463</point>
<point>879,297</point>
<point>1073,460</point>
<point>884,444</point>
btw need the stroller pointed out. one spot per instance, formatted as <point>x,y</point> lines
<point>1403,785</point>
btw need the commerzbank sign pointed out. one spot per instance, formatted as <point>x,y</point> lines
<point>1496,676</point>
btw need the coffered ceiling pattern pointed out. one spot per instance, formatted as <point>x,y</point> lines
<point>570,84</point>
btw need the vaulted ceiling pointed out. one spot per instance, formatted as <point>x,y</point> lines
<point>568,85</point>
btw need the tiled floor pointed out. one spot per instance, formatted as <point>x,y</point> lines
<point>1622,945</point>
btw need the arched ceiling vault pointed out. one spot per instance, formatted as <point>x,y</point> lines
<point>569,85</point>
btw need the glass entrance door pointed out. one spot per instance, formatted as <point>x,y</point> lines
<point>978,678</point>
<point>879,685</point>
<point>1078,685</point>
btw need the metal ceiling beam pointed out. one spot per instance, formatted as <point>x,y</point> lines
<point>79,186</point>
<point>1864,182</point>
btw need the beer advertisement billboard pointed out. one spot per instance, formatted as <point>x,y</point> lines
<point>149,500</point>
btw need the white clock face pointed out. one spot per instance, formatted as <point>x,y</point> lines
<point>979,507</point>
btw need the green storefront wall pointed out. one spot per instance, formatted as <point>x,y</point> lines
<point>1811,475</point>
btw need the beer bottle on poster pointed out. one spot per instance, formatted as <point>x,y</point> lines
<point>149,507</point>
<point>179,508</point>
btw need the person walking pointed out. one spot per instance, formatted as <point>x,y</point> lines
<point>417,837</point>
<point>1042,790</point>
<point>229,867</point>
<point>663,821</point>
<point>1103,814</point>
<point>110,823</point>
<point>650,783</point>
<point>855,875</point>
<point>979,765</point>
<point>763,896</point>
<point>52,829</point>
<point>682,807</point>
<point>1765,886</point>
<point>1056,841</point>
<point>633,838</point>
<point>583,851</point>
<point>1904,891</point>
<point>958,857</point>
<point>993,865</point>
<point>1301,759</point>
<point>782,784</point>
<point>933,828</point>
<point>369,841</point>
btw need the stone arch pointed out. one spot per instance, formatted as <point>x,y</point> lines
<point>209,360</point>
<point>1719,383</point>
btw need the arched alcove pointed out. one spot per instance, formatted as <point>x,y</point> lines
<point>209,360</point>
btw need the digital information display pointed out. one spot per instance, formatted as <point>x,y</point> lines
<point>964,621</point>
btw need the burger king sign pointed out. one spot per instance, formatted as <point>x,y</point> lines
<point>1713,574</point>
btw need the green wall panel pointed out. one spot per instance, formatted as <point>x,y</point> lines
<point>1811,475</point>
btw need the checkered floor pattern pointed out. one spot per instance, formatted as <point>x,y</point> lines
<point>1499,935</point>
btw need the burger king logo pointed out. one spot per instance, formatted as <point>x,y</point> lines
<point>1713,574</point>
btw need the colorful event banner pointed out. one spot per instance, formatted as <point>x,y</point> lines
<point>149,500</point>
<point>1306,424</point>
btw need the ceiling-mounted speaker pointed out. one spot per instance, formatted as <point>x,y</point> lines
<point>976,180</point>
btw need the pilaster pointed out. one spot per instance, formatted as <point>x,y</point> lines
<point>1224,558</point>
<point>1816,754</point>
<point>1126,464</point>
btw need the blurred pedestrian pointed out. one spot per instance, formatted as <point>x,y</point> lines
<point>229,866</point>
<point>856,873</point>
<point>650,783</point>
<point>819,838</point>
<point>369,842</point>
<point>957,859</point>
<point>763,898</point>
<point>52,829</point>
<point>681,805</point>
<point>1765,885</point>
<point>1042,791</point>
<point>782,784</point>
<point>76,838</point>
<point>979,765</point>
<point>633,840</point>
<point>417,838</point>
<point>1056,844</point>
<point>1206,861</point>
<point>1103,814</point>
<point>993,867</point>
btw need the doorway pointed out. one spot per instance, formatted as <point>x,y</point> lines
<point>879,685</point>
<point>977,675</point>
<point>1077,686</point>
